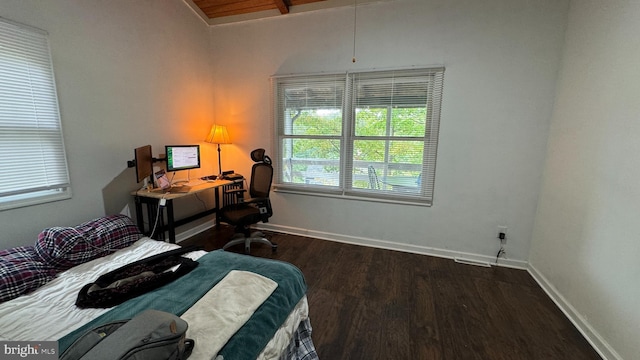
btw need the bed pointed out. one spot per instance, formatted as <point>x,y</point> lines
<point>40,284</point>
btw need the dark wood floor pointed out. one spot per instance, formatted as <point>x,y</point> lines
<point>368,303</point>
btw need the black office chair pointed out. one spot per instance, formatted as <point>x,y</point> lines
<point>254,209</point>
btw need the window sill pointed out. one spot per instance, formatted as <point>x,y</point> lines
<point>23,201</point>
<point>336,195</point>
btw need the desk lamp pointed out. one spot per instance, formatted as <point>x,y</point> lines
<point>218,135</point>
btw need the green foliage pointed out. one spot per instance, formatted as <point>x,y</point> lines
<point>393,142</point>
<point>409,122</point>
<point>315,122</point>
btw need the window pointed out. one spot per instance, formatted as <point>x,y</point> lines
<point>365,134</point>
<point>34,165</point>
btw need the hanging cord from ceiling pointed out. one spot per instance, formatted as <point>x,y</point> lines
<point>355,18</point>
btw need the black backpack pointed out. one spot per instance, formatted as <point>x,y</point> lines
<point>151,335</point>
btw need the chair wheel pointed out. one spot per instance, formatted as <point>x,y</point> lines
<point>274,247</point>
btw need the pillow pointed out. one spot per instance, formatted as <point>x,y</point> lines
<point>66,247</point>
<point>22,272</point>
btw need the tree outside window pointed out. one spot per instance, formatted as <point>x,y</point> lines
<point>370,134</point>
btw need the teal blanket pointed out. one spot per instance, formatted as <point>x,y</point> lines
<point>181,294</point>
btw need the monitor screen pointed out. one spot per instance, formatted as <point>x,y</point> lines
<point>144,162</point>
<point>182,157</point>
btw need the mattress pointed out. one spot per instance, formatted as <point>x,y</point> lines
<point>53,305</point>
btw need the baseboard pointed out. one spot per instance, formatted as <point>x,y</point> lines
<point>388,245</point>
<point>194,230</point>
<point>597,342</point>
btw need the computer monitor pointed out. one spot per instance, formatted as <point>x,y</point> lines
<point>182,157</point>
<point>144,162</point>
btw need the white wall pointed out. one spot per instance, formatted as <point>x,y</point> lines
<point>585,244</point>
<point>128,73</point>
<point>501,59</point>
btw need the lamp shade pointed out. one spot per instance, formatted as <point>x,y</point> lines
<point>218,135</point>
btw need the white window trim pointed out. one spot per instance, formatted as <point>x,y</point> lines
<point>41,197</point>
<point>343,191</point>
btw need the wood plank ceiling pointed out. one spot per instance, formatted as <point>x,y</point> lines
<point>220,8</point>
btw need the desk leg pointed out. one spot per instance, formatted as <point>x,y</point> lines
<point>139,216</point>
<point>170,222</point>
<point>217,204</point>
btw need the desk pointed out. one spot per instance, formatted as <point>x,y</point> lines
<point>153,197</point>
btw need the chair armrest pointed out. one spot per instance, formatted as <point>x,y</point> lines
<point>263,204</point>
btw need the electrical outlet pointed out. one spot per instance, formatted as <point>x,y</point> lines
<point>502,230</point>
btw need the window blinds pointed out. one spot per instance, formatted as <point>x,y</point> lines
<point>31,144</point>
<point>395,127</point>
<point>365,134</point>
<point>310,128</point>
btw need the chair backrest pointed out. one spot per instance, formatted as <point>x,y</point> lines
<point>373,178</point>
<point>261,175</point>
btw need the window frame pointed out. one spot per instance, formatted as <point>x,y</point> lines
<point>40,170</point>
<point>345,189</point>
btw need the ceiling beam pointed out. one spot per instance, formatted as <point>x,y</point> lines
<point>282,6</point>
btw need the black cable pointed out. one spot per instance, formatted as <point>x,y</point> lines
<point>500,252</point>
<point>503,238</point>
<point>202,201</point>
